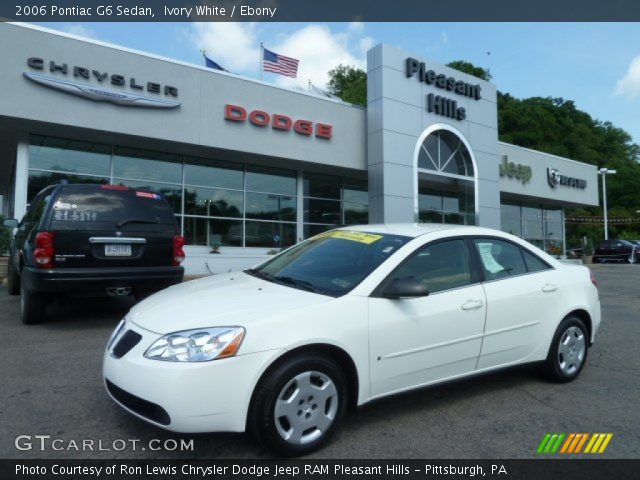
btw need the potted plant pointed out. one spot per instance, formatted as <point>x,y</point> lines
<point>5,239</point>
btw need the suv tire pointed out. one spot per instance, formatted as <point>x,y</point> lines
<point>33,306</point>
<point>13,279</point>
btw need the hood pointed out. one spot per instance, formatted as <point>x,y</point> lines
<point>220,300</point>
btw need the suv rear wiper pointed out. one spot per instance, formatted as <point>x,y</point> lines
<point>298,283</point>
<point>135,220</point>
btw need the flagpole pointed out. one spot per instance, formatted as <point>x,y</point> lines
<point>261,57</point>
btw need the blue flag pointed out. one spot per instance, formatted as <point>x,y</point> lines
<point>211,64</point>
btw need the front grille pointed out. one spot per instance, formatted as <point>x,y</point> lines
<point>136,404</point>
<point>129,340</point>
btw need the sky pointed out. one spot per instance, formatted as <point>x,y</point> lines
<point>595,64</point>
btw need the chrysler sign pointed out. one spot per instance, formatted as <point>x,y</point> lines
<point>555,178</point>
<point>91,85</point>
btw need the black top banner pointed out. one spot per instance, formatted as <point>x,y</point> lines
<point>320,11</point>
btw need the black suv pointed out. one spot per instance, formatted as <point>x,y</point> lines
<point>616,251</point>
<point>105,239</point>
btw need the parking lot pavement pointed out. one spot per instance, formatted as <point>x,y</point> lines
<point>51,385</point>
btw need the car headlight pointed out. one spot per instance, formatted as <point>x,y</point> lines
<point>198,345</point>
<point>116,333</point>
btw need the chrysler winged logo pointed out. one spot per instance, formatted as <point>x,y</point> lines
<point>99,94</point>
<point>553,175</point>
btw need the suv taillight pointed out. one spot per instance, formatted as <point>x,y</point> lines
<point>44,251</point>
<point>593,278</point>
<point>178,252</point>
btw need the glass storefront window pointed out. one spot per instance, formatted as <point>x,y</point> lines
<point>212,202</point>
<point>145,165</point>
<point>322,186</point>
<point>322,211</point>
<point>39,180</point>
<point>445,200</point>
<point>532,223</point>
<point>267,206</point>
<point>271,180</point>
<point>355,213</point>
<point>173,193</point>
<point>270,234</point>
<point>217,202</point>
<point>213,173</point>
<point>47,153</point>
<point>213,231</point>
<point>541,227</point>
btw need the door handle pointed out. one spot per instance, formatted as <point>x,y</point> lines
<point>549,287</point>
<point>472,304</point>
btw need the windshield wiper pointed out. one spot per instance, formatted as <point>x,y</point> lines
<point>135,220</point>
<point>260,274</point>
<point>297,283</point>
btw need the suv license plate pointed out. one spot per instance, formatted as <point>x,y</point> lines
<point>117,250</point>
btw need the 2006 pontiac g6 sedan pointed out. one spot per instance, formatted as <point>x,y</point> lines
<point>343,318</point>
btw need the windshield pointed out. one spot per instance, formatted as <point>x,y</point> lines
<point>331,263</point>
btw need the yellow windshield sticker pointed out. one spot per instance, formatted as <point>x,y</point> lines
<point>360,237</point>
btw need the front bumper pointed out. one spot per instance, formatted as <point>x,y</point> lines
<point>194,397</point>
<point>98,279</point>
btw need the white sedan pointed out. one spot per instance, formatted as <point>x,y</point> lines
<point>341,319</point>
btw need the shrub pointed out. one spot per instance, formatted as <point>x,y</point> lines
<point>5,238</point>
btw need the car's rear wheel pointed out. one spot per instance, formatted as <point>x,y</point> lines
<point>568,352</point>
<point>13,279</point>
<point>33,306</point>
<point>299,405</point>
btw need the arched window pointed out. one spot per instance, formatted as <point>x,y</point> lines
<point>445,153</point>
<point>446,179</point>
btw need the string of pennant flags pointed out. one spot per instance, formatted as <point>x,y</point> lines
<point>600,220</point>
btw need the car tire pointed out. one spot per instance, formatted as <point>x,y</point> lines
<point>13,279</point>
<point>33,306</point>
<point>568,351</point>
<point>310,392</point>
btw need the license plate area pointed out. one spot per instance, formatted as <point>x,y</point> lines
<point>117,250</point>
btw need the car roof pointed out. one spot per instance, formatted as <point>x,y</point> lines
<point>417,229</point>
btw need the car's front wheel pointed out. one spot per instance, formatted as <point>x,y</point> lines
<point>299,405</point>
<point>568,352</point>
<point>33,306</point>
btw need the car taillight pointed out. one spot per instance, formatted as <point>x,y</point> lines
<point>178,252</point>
<point>44,251</point>
<point>593,278</point>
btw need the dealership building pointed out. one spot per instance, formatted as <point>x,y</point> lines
<point>249,167</point>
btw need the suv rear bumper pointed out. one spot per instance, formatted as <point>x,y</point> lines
<point>99,279</point>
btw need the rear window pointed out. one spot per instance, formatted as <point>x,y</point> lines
<point>111,204</point>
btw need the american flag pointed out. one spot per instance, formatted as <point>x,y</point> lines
<point>272,62</point>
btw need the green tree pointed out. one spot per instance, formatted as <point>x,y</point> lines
<point>349,84</point>
<point>471,69</point>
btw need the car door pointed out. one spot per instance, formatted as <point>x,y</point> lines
<point>522,294</point>
<point>416,341</point>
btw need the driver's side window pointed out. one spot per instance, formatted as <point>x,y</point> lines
<point>439,266</point>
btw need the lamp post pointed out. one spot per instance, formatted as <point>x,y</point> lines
<point>604,172</point>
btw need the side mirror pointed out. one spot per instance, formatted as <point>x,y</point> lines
<point>11,223</point>
<point>407,287</point>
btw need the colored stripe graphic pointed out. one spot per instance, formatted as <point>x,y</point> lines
<point>550,443</point>
<point>572,443</point>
